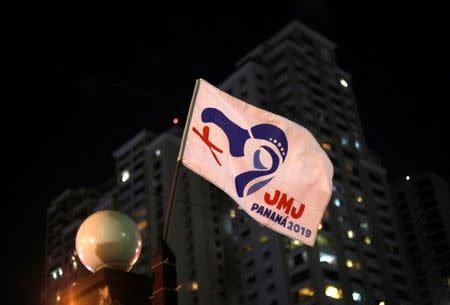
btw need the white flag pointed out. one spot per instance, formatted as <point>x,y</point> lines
<point>272,167</point>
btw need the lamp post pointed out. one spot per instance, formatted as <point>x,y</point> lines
<point>108,244</point>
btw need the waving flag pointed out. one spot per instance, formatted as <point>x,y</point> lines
<point>272,167</point>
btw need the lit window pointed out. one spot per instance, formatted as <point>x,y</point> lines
<point>322,240</point>
<point>263,238</point>
<point>326,146</point>
<point>142,225</point>
<point>233,213</point>
<point>320,226</point>
<point>58,298</point>
<point>60,271</point>
<point>141,212</point>
<point>337,202</point>
<point>356,296</point>
<point>353,264</point>
<point>348,167</point>
<point>74,265</point>
<point>247,248</point>
<point>407,178</point>
<point>367,240</point>
<point>293,244</point>
<point>350,234</point>
<point>364,225</point>
<point>327,258</point>
<point>306,292</point>
<point>381,303</point>
<point>54,275</point>
<point>344,141</point>
<point>125,176</point>
<point>333,292</point>
<point>359,199</point>
<point>343,82</point>
<point>357,145</point>
<point>158,152</point>
<point>194,286</point>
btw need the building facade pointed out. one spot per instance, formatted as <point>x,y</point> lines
<point>64,216</point>
<point>356,259</point>
<point>422,202</point>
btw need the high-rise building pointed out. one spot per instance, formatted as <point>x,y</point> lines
<point>356,256</point>
<point>200,232</point>
<point>223,256</point>
<point>64,216</point>
<point>422,204</point>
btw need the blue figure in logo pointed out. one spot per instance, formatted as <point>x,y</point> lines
<point>237,137</point>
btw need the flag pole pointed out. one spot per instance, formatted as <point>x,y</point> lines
<point>176,173</point>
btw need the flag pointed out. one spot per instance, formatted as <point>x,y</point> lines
<point>271,167</point>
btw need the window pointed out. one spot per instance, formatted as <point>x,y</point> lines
<point>301,258</point>
<point>322,240</point>
<point>333,292</point>
<point>263,238</point>
<point>194,286</point>
<point>337,202</point>
<point>343,83</point>
<point>353,264</point>
<point>293,244</point>
<point>247,248</point>
<point>142,225</point>
<point>327,258</point>
<point>356,296</point>
<point>305,292</point>
<point>326,146</point>
<point>344,141</point>
<point>124,176</point>
<point>300,277</point>
<point>350,234</point>
<point>331,274</point>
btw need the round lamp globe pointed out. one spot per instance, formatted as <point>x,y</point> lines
<point>108,239</point>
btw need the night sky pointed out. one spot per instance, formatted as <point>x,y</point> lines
<point>80,81</point>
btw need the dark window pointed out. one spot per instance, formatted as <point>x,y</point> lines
<point>298,259</point>
<point>245,233</point>
<point>251,279</point>
<point>331,274</point>
<point>249,263</point>
<point>300,277</point>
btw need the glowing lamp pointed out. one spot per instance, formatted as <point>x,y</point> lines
<point>108,239</point>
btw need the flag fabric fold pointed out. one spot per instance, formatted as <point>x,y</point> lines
<point>273,168</point>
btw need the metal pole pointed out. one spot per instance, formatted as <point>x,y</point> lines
<point>176,174</point>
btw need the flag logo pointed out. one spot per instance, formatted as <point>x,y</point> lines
<point>276,147</point>
<point>273,168</point>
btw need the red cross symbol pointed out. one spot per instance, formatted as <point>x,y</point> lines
<point>205,138</point>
